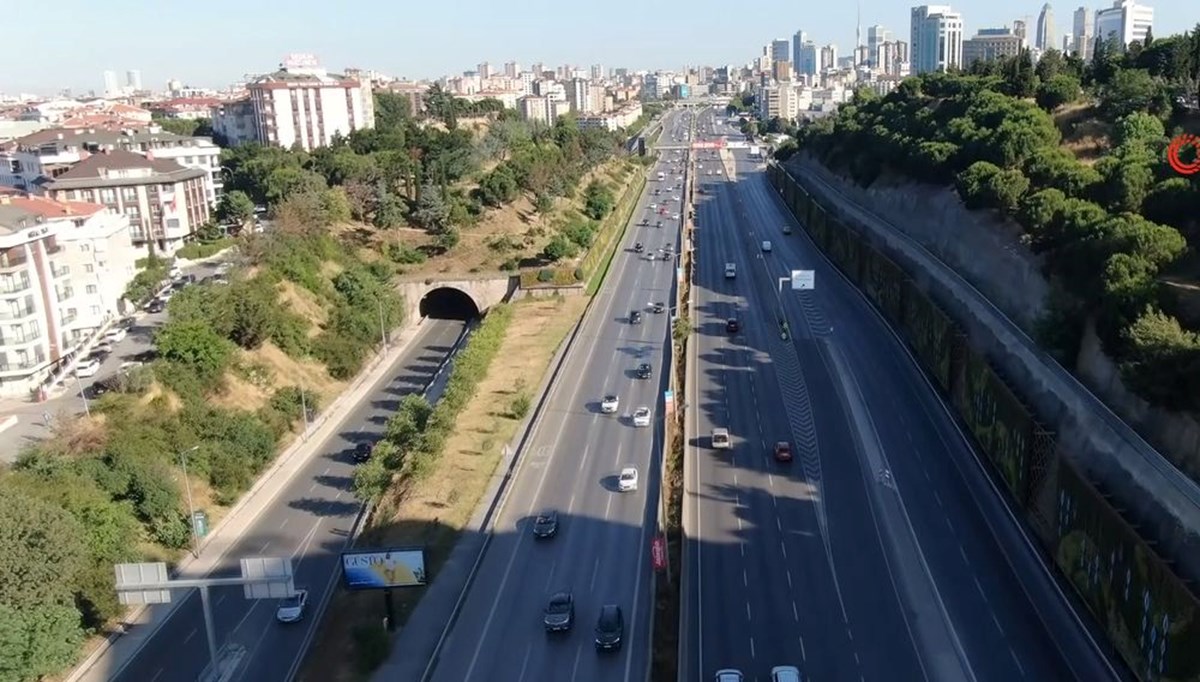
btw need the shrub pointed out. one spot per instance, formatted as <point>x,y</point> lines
<point>342,357</point>
<point>545,275</point>
<point>198,250</point>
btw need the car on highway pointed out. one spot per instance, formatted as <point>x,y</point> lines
<point>787,229</point>
<point>658,307</point>
<point>732,325</point>
<point>610,628</point>
<point>362,452</point>
<point>766,247</point>
<point>658,224</point>
<point>627,481</point>
<point>88,368</point>
<point>674,216</point>
<point>609,404</point>
<point>291,609</point>
<point>641,416</point>
<point>785,673</point>
<point>638,248</point>
<point>635,317</point>
<point>783,451</point>
<point>559,614</point>
<point>115,335</point>
<point>644,371</point>
<point>729,675</point>
<point>720,439</point>
<point>545,525</point>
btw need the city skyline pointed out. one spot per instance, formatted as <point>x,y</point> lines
<point>411,42</point>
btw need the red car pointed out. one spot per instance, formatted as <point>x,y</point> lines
<point>783,451</point>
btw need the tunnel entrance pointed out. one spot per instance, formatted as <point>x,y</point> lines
<point>448,303</point>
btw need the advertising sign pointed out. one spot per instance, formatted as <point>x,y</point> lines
<point>658,553</point>
<point>380,569</point>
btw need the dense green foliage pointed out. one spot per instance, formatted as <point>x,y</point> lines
<point>416,434</point>
<point>1107,231</point>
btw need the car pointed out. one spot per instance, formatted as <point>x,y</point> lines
<point>165,296</point>
<point>115,335</point>
<point>787,229</point>
<point>545,525</point>
<point>291,609</point>
<point>641,416</point>
<point>635,317</point>
<point>88,368</point>
<point>653,206</point>
<point>362,452</point>
<point>559,615</point>
<point>130,365</point>
<point>638,248</point>
<point>732,325</point>
<point>644,370</point>
<point>766,247</point>
<point>729,675</point>
<point>156,306</point>
<point>102,347</point>
<point>720,439</point>
<point>658,307</point>
<point>783,451</point>
<point>175,272</point>
<point>785,673</point>
<point>627,481</point>
<point>674,216</point>
<point>610,628</point>
<point>658,224</point>
<point>609,404</point>
<point>99,388</point>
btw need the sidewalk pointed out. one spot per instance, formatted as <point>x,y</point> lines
<point>141,623</point>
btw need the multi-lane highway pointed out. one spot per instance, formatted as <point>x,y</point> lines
<point>828,563</point>
<point>575,453</point>
<point>309,521</point>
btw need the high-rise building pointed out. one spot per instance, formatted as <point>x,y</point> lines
<point>133,79</point>
<point>1126,21</point>
<point>937,37</point>
<point>1081,34</point>
<point>798,40</point>
<point>1020,29</point>
<point>1045,29</point>
<point>829,58</point>
<point>485,70</point>
<point>991,44</point>
<point>512,70</point>
<point>578,95</point>
<point>597,72</point>
<point>111,89</point>
<point>876,36</point>
<point>893,58</point>
<point>782,70</point>
<point>809,59</point>
<point>780,50</point>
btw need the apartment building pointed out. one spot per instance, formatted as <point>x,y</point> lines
<point>542,109</point>
<point>937,38</point>
<point>29,162</point>
<point>1126,21</point>
<point>303,104</point>
<point>991,44</point>
<point>615,120</point>
<point>163,202</point>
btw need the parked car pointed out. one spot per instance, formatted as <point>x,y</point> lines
<point>156,306</point>
<point>115,334</point>
<point>88,368</point>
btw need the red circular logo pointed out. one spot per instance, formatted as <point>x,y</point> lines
<point>1177,146</point>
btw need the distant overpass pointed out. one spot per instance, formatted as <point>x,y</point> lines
<point>719,143</point>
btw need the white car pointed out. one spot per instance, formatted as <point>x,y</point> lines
<point>641,416</point>
<point>785,673</point>
<point>609,404</point>
<point>115,335</point>
<point>675,217</point>
<point>628,480</point>
<point>104,347</point>
<point>729,675</point>
<point>291,609</point>
<point>87,368</point>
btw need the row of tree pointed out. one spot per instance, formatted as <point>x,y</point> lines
<point>1107,231</point>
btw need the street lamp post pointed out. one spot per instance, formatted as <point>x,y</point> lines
<point>191,507</point>
<point>304,407</point>
<point>79,384</point>
<point>382,326</point>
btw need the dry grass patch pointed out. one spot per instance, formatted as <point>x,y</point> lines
<point>435,512</point>
<point>267,369</point>
<point>305,304</point>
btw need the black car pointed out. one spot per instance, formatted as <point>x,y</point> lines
<point>732,325</point>
<point>610,628</point>
<point>638,248</point>
<point>546,524</point>
<point>658,224</point>
<point>644,370</point>
<point>156,306</point>
<point>362,452</point>
<point>635,317</point>
<point>658,307</point>
<point>559,615</point>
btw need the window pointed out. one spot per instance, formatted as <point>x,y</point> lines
<point>129,193</point>
<point>89,268</point>
<point>108,195</point>
<point>95,310</point>
<point>72,312</point>
<point>85,247</point>
<point>91,288</point>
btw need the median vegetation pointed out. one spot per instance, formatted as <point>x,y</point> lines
<point>1076,155</point>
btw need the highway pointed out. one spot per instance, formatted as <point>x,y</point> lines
<point>602,551</point>
<point>309,521</point>
<point>824,563</point>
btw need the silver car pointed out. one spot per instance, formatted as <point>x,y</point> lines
<point>291,609</point>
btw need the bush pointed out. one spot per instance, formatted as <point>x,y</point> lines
<point>403,254</point>
<point>342,357</point>
<point>198,250</point>
<point>519,407</point>
<point>545,275</point>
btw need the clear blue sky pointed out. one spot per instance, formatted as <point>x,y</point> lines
<point>69,43</point>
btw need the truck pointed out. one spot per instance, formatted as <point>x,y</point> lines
<point>730,270</point>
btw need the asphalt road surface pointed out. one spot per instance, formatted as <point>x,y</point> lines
<point>602,551</point>
<point>309,521</point>
<point>840,599</point>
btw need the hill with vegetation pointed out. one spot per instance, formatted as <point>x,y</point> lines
<point>1074,154</point>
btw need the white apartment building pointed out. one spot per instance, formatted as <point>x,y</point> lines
<point>828,58</point>
<point>937,38</point>
<point>534,109</point>
<point>1126,21</point>
<point>302,104</point>
<point>781,101</point>
<point>991,44</point>
<point>615,120</point>
<point>578,95</point>
<point>1081,34</point>
<point>29,162</point>
<point>163,202</point>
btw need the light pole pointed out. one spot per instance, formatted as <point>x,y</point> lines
<point>79,384</point>
<point>382,326</point>
<point>188,486</point>
<point>304,407</point>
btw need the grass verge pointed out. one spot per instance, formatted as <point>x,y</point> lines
<point>435,511</point>
<point>622,215</point>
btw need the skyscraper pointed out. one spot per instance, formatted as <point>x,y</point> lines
<point>1045,29</point>
<point>1081,34</point>
<point>809,62</point>
<point>512,70</point>
<point>876,36</point>
<point>779,50</point>
<point>1126,21</point>
<point>133,79</point>
<point>797,46</point>
<point>111,88</point>
<point>937,38</point>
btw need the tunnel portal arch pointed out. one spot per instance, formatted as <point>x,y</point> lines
<point>448,303</point>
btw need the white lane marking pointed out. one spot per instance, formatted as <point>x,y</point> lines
<point>803,654</point>
<point>608,507</point>
<point>771,483</point>
<point>752,648</point>
<point>783,548</point>
<point>742,547</point>
<point>190,635</point>
<point>571,504</point>
<point>595,573</point>
<point>779,525</point>
<point>789,578</point>
<point>575,666</point>
<point>937,497</point>
<point>157,675</point>
<point>303,546</point>
<point>339,495</point>
<point>264,547</point>
<point>748,611</point>
<point>525,661</point>
<point>323,473</point>
<point>796,615</point>
<point>739,520</point>
<point>285,522</point>
<point>745,579</point>
<point>312,487</point>
<point>220,599</point>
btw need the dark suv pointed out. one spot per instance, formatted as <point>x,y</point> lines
<point>644,370</point>
<point>559,615</point>
<point>732,325</point>
<point>362,452</point>
<point>635,317</point>
<point>546,524</point>
<point>610,628</point>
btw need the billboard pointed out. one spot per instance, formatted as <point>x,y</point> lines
<point>384,568</point>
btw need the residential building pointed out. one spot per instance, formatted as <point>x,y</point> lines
<point>164,202</point>
<point>534,108</point>
<point>512,69</point>
<point>1020,29</point>
<point>191,108</point>
<point>616,120</point>
<point>991,44</point>
<point>578,95</point>
<point>782,70</point>
<point>233,121</point>
<point>484,70</point>
<point>31,161</point>
<point>937,38</point>
<point>133,79</point>
<point>778,101</point>
<point>1081,34</point>
<point>829,58</point>
<point>303,105</point>
<point>1126,21</point>
<point>893,58</point>
<point>597,72</point>
<point>111,89</point>
<point>1045,29</point>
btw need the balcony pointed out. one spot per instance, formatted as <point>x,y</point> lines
<point>15,286</point>
<point>59,272</point>
<point>65,293</point>
<point>10,262</point>
<point>22,366</point>
<point>18,313</point>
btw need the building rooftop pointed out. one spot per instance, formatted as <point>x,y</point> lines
<point>118,168</point>
<point>102,137</point>
<point>14,219</point>
<point>300,77</point>
<point>49,208</point>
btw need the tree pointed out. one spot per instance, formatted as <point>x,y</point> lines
<point>38,642</point>
<point>1138,128</point>
<point>1163,360</point>
<point>1019,77</point>
<point>286,181</point>
<point>1050,65</point>
<point>406,424</point>
<point>431,212</point>
<point>196,345</point>
<point>41,551</point>
<point>560,248</point>
<point>1132,90</point>
<point>598,201</point>
<point>235,207</point>
<point>1057,91</point>
<point>499,186</point>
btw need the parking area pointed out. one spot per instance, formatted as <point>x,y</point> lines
<point>122,351</point>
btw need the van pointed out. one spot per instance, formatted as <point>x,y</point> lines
<point>720,439</point>
<point>766,247</point>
